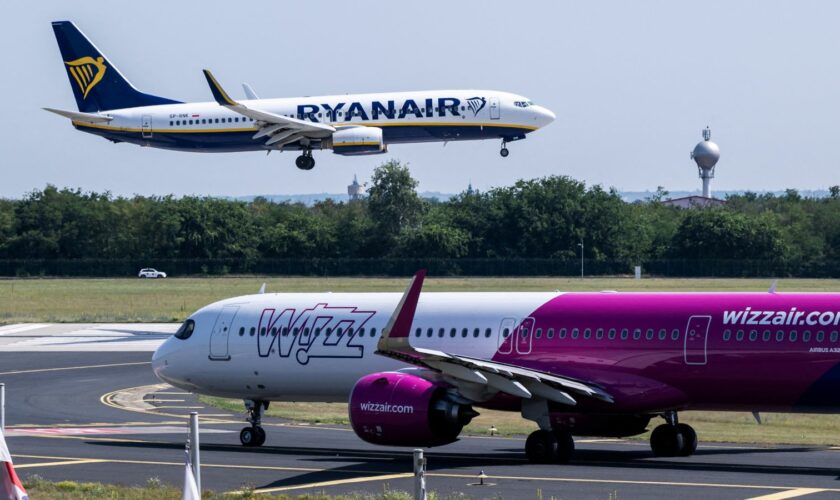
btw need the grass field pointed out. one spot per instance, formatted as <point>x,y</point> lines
<point>776,428</point>
<point>173,299</point>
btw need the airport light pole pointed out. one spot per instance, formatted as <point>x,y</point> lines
<point>581,257</point>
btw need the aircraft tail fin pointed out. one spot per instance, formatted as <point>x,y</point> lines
<point>97,84</point>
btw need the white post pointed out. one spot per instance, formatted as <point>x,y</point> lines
<point>195,457</point>
<point>419,475</point>
<point>2,407</point>
<point>638,272</point>
<point>581,257</point>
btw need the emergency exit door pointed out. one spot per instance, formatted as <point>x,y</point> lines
<point>696,339</point>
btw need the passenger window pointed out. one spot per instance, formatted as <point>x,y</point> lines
<point>253,331</point>
<point>241,331</point>
<point>373,332</point>
<point>464,332</point>
<point>820,336</point>
<point>538,333</point>
<point>318,331</point>
<point>349,332</point>
<point>550,333</point>
<point>274,332</point>
<point>740,335</point>
<point>329,332</point>
<point>834,336</point>
<point>675,334</point>
<point>727,334</point>
<point>575,333</point>
<point>171,123</point>
<point>429,332</point>
<point>562,333</point>
<point>476,333</point>
<point>262,332</point>
<point>599,333</point>
<point>417,332</point>
<point>487,333</point>
<point>753,335</point>
<point>186,330</point>
<point>806,336</point>
<point>587,333</point>
<point>204,121</point>
<point>440,333</point>
<point>649,334</point>
<point>612,333</point>
<point>792,336</point>
<point>766,335</point>
<point>506,332</point>
<point>337,332</point>
<point>191,122</point>
<point>637,334</point>
<point>295,331</point>
<point>780,336</point>
<point>525,332</point>
<point>624,333</point>
<point>452,332</point>
<point>285,331</point>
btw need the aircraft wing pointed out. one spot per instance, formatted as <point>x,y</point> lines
<point>278,129</point>
<point>494,376</point>
<point>80,117</point>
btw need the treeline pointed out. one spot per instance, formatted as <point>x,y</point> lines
<point>540,220</point>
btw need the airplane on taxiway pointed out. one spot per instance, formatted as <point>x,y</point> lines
<point>413,368</point>
<point>352,124</point>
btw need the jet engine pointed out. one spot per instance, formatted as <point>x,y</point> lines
<point>601,425</point>
<point>398,409</point>
<point>356,141</point>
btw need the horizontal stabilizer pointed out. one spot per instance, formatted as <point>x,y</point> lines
<point>79,116</point>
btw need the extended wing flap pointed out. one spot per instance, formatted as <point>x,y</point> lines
<point>502,377</point>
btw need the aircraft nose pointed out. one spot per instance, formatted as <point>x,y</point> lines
<point>544,116</point>
<point>161,361</point>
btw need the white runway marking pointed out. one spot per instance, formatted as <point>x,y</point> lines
<point>85,337</point>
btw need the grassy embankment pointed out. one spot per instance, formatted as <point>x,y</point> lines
<point>173,299</point>
<point>135,300</point>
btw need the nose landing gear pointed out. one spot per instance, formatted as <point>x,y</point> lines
<point>673,439</point>
<point>504,151</point>
<point>305,160</point>
<point>254,435</point>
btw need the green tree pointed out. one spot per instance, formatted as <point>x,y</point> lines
<point>393,202</point>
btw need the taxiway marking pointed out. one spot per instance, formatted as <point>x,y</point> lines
<point>798,492</point>
<point>11,329</point>
<point>40,370</point>
<point>337,482</point>
<point>64,462</point>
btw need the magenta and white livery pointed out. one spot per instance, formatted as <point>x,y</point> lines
<point>415,367</point>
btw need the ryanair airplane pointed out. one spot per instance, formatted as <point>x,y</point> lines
<point>352,124</point>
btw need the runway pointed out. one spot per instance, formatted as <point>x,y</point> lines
<point>74,412</point>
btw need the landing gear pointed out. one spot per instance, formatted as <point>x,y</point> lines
<point>305,160</point>
<point>255,434</point>
<point>673,439</point>
<point>547,447</point>
<point>504,152</point>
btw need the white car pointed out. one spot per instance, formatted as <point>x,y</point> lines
<point>148,272</point>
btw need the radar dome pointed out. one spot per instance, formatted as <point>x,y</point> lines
<point>706,154</point>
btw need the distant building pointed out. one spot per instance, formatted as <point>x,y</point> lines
<point>355,190</point>
<point>694,202</point>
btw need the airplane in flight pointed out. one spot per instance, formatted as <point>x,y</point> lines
<point>415,367</point>
<point>350,124</point>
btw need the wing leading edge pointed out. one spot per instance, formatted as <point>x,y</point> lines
<point>470,372</point>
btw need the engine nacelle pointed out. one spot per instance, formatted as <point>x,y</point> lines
<point>399,409</point>
<point>601,425</point>
<point>356,141</point>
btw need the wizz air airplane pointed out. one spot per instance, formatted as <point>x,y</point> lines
<point>350,124</point>
<point>415,368</point>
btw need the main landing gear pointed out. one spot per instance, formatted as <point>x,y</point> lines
<point>254,435</point>
<point>673,439</point>
<point>305,160</point>
<point>504,151</point>
<point>554,446</point>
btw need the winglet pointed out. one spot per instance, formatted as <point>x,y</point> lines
<point>218,92</point>
<point>773,286</point>
<point>395,335</point>
<point>262,289</point>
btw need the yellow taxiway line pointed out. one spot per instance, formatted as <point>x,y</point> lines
<point>798,492</point>
<point>65,462</point>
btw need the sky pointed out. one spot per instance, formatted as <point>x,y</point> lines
<point>632,85</point>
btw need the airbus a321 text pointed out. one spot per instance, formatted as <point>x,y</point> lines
<point>351,124</point>
<point>415,368</point>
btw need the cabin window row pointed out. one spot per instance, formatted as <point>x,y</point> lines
<point>779,335</point>
<point>598,333</point>
<point>306,331</point>
<point>208,121</point>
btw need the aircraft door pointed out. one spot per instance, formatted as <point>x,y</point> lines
<point>146,126</point>
<point>495,113</point>
<point>524,334</point>
<point>221,332</point>
<point>696,336</point>
<point>506,329</point>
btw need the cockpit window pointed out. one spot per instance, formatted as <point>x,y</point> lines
<point>523,104</point>
<point>186,330</point>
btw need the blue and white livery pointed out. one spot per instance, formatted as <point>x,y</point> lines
<point>351,124</point>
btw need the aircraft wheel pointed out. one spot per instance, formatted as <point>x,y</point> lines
<point>252,436</point>
<point>301,162</point>
<point>310,163</point>
<point>667,441</point>
<point>565,446</point>
<point>541,447</point>
<point>504,152</point>
<point>689,440</point>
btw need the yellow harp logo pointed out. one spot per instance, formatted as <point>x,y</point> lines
<point>87,72</point>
